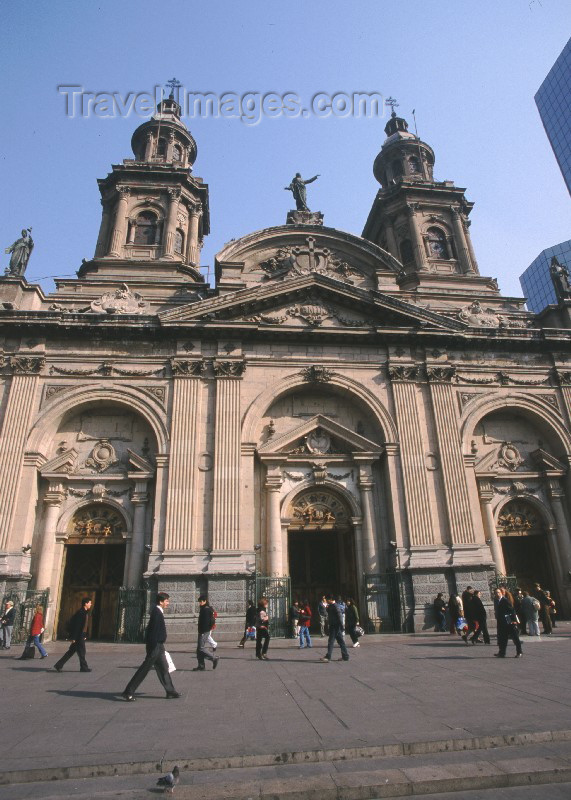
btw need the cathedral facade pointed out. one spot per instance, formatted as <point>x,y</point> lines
<point>367,415</point>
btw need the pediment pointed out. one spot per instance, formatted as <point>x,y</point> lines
<point>138,465</point>
<point>545,461</point>
<point>317,437</point>
<point>63,464</point>
<point>312,301</point>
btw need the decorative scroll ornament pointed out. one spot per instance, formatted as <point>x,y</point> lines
<point>102,456</point>
<point>509,456</point>
<point>121,301</point>
<point>443,374</point>
<point>315,374</point>
<point>313,313</point>
<point>403,372</point>
<point>229,369</point>
<point>308,258</point>
<point>475,315</point>
<point>189,367</point>
<point>27,365</point>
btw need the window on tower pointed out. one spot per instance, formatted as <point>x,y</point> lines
<point>146,226</point>
<point>396,169</point>
<point>414,164</point>
<point>437,244</point>
<point>177,153</point>
<point>406,253</point>
<point>178,242</point>
<point>161,148</point>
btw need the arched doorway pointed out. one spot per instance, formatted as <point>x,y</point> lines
<point>94,565</point>
<point>523,535</point>
<point>321,547</point>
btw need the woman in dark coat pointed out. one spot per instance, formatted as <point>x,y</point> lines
<point>481,617</point>
<point>352,620</point>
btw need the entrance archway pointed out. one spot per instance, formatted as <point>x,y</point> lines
<point>94,566</point>
<point>321,548</point>
<point>523,535</point>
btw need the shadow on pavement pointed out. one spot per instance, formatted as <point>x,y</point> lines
<point>115,696</point>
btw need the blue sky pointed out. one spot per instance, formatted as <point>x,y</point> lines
<point>470,70</point>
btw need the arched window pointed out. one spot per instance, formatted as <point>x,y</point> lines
<point>145,228</point>
<point>396,169</point>
<point>161,148</point>
<point>437,244</point>
<point>178,241</point>
<point>177,153</point>
<point>406,254</point>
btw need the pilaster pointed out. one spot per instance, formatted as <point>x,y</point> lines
<point>120,222</point>
<point>170,228</point>
<point>461,243</point>
<point>416,236</point>
<point>492,538</point>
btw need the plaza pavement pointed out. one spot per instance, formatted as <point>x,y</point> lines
<point>402,703</point>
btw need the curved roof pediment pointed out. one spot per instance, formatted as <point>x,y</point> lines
<point>291,251</point>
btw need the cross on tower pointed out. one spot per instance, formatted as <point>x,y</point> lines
<point>174,84</point>
<point>390,101</point>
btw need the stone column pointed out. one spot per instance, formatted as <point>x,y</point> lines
<point>563,542</point>
<point>149,146</point>
<point>416,237</point>
<point>185,427</point>
<point>486,496</point>
<point>391,239</point>
<point>132,227</point>
<point>471,251</point>
<point>461,244</point>
<point>52,502</point>
<point>450,450</point>
<point>139,499</point>
<point>226,511</point>
<point>370,559</point>
<point>193,249</point>
<point>170,227</point>
<point>120,223</point>
<point>15,428</point>
<point>160,505</point>
<point>417,497</point>
<point>358,529</point>
<point>100,247</point>
<point>274,548</point>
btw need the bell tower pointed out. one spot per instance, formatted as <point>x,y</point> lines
<point>155,211</point>
<point>419,220</point>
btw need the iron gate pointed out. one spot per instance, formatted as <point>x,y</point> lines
<point>509,581</point>
<point>278,592</point>
<point>25,602</point>
<point>132,610</point>
<point>384,602</point>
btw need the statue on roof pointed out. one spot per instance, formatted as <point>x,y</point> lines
<point>560,279</point>
<point>21,251</point>
<point>297,188</point>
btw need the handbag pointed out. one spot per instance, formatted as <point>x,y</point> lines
<point>29,652</point>
<point>359,631</point>
<point>170,662</point>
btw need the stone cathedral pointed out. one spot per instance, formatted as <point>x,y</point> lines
<point>337,411</point>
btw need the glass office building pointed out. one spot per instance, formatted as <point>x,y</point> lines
<point>536,281</point>
<point>553,100</point>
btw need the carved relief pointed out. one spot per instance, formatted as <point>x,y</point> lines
<point>303,260</point>
<point>475,315</point>
<point>444,374</point>
<point>229,369</point>
<point>509,456</point>
<point>403,372</point>
<point>102,456</point>
<point>121,301</point>
<point>319,510</point>
<point>313,313</point>
<point>194,367</point>
<point>518,518</point>
<point>315,374</point>
<point>27,365</point>
<point>97,523</point>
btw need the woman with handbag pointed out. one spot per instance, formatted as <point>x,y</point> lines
<point>352,621</point>
<point>36,630</point>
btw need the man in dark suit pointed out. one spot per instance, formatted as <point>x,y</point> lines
<point>507,625</point>
<point>155,638</point>
<point>77,629</point>
<point>335,621</point>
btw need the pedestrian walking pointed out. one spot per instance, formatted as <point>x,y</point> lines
<point>342,608</point>
<point>77,629</point>
<point>439,606</point>
<point>351,621</point>
<point>322,610</point>
<point>335,622</point>
<point>262,629</point>
<point>7,621</point>
<point>250,622</point>
<point>507,625</point>
<point>552,608</point>
<point>455,611</point>
<point>544,614</point>
<point>530,609</point>
<point>211,643</point>
<point>304,625</point>
<point>155,638</point>
<point>206,621</point>
<point>518,599</point>
<point>480,616</point>
<point>36,630</point>
<point>467,597</point>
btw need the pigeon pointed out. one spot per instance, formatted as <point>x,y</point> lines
<point>169,781</point>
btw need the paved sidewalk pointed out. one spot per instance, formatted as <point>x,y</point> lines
<point>395,689</point>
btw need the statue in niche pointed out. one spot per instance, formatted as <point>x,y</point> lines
<point>21,251</point>
<point>297,188</point>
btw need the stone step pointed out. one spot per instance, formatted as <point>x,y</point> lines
<point>413,768</point>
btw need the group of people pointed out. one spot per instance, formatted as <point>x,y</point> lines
<point>515,614</point>
<point>300,616</point>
